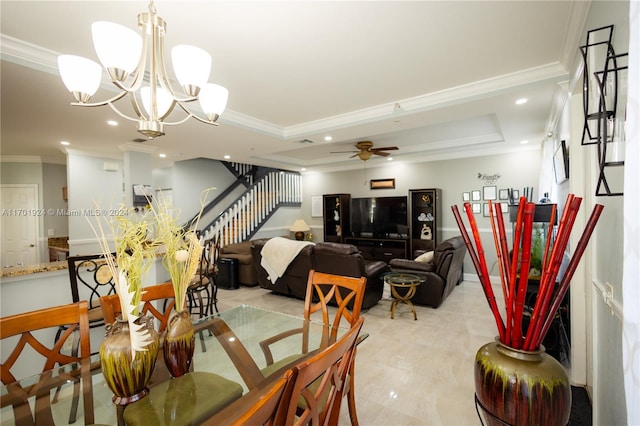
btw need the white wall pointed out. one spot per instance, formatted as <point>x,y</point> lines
<point>90,185</point>
<point>54,177</point>
<point>596,352</point>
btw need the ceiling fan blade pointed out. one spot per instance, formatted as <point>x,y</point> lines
<point>386,148</point>
<point>381,153</point>
<point>355,155</point>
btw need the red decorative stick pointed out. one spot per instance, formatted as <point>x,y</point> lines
<point>504,248</point>
<point>516,335</point>
<point>484,278</point>
<point>571,268</point>
<point>514,269</point>
<point>498,250</point>
<point>549,237</point>
<point>548,280</point>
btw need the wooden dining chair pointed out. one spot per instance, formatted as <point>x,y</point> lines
<point>336,298</point>
<point>152,296</point>
<point>75,319</point>
<point>322,381</point>
<point>260,407</point>
<point>90,278</point>
<point>202,292</point>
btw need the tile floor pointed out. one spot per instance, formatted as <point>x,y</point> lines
<point>407,372</point>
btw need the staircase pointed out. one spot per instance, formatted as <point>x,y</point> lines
<point>267,190</point>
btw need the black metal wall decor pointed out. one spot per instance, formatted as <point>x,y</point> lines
<point>604,101</point>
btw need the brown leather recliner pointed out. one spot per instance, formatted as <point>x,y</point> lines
<point>346,259</point>
<point>442,274</point>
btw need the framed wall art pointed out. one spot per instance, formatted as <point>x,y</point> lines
<point>383,183</point>
<point>561,162</point>
<point>489,193</point>
<point>475,195</point>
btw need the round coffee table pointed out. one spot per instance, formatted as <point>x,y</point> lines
<point>408,282</point>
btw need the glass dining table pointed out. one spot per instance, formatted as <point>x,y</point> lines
<point>227,344</point>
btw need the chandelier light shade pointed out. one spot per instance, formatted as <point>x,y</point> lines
<point>135,64</point>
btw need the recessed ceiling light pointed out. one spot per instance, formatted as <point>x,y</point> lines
<point>390,159</point>
<point>328,138</point>
<point>524,142</point>
<point>162,155</point>
<point>303,169</point>
<point>112,122</point>
<point>226,157</point>
<point>521,101</point>
<point>65,143</point>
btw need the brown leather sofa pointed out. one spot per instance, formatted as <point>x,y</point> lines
<point>241,252</point>
<point>332,258</point>
<point>442,274</point>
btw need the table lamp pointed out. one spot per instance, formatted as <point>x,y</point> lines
<point>299,227</point>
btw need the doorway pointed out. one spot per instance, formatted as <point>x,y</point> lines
<point>20,224</point>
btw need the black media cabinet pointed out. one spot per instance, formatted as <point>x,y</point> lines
<point>380,248</point>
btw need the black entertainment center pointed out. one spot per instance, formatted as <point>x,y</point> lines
<point>381,226</point>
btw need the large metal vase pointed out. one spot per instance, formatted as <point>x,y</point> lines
<point>127,377</point>
<point>518,387</point>
<point>179,343</point>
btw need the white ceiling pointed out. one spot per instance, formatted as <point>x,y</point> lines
<point>438,79</point>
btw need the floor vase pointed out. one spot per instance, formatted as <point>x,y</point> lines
<point>128,376</point>
<point>179,343</point>
<point>518,387</point>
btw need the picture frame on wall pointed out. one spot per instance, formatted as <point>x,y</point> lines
<point>475,208</point>
<point>503,194</point>
<point>382,183</point>
<point>485,210</point>
<point>561,162</point>
<point>489,193</point>
<point>466,196</point>
<point>475,195</point>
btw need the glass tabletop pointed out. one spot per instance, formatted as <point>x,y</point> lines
<point>403,279</point>
<point>222,341</point>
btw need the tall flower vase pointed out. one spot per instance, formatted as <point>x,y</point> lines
<point>179,343</point>
<point>517,387</point>
<point>126,377</point>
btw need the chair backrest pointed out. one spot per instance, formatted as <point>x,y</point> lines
<point>340,259</point>
<point>327,371</point>
<point>211,253</point>
<point>162,292</point>
<point>75,319</point>
<point>268,407</point>
<point>90,279</point>
<point>346,293</point>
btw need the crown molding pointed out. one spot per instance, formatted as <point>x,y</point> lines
<point>33,56</point>
<point>20,159</point>
<point>429,101</point>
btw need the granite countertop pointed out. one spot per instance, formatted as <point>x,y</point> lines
<point>16,271</point>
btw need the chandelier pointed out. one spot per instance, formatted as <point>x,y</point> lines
<point>135,64</point>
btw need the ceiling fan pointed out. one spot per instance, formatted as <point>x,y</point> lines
<point>366,150</point>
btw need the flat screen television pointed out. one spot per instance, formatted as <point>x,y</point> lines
<point>379,217</point>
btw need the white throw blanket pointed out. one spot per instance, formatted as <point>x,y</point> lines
<point>277,254</point>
